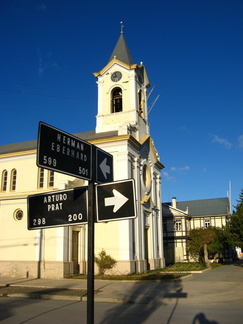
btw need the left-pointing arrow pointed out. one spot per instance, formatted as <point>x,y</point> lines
<point>117,201</point>
<point>105,168</point>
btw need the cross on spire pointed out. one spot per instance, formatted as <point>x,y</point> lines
<point>121,51</point>
<point>122,26</point>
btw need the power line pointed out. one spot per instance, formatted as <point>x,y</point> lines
<point>38,94</point>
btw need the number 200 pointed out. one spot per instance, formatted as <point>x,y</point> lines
<point>75,217</point>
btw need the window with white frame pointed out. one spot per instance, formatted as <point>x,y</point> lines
<point>178,226</point>
<point>207,223</point>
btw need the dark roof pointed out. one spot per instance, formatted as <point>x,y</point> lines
<point>121,51</point>
<point>203,207</point>
<point>31,145</point>
<point>92,135</point>
<point>17,147</point>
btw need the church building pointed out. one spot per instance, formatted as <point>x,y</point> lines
<point>122,129</point>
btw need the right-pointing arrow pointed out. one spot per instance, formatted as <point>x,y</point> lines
<point>117,201</point>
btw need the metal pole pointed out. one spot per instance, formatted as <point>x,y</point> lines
<point>90,281</point>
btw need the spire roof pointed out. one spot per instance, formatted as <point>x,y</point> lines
<point>121,51</point>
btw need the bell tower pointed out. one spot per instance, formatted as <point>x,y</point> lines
<point>122,94</point>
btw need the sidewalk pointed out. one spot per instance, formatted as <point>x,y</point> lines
<point>42,288</point>
<point>76,289</point>
<point>221,284</point>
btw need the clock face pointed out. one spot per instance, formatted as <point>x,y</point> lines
<point>116,76</point>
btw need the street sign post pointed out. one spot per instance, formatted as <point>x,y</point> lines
<point>58,208</point>
<point>62,152</point>
<point>104,166</point>
<point>68,154</point>
<point>115,201</point>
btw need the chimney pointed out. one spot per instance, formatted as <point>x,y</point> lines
<point>174,202</point>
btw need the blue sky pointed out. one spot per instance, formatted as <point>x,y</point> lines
<point>192,51</point>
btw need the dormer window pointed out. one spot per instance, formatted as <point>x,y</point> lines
<point>116,100</point>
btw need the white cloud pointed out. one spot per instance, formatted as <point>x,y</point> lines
<point>45,61</point>
<point>184,129</point>
<point>42,66</point>
<point>240,140</point>
<point>42,7</point>
<point>168,177</point>
<point>182,169</point>
<point>222,141</point>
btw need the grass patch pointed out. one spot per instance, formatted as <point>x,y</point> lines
<point>185,266</point>
<point>174,271</point>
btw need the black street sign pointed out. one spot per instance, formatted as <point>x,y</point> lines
<point>104,166</point>
<point>58,208</point>
<point>62,152</point>
<point>115,201</point>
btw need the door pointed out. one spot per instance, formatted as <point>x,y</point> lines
<point>146,252</point>
<point>75,239</point>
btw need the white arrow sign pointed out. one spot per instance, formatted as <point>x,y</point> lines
<point>105,168</point>
<point>117,201</point>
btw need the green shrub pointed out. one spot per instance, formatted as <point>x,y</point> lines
<point>104,262</point>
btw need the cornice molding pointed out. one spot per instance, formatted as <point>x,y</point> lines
<point>128,138</point>
<point>112,62</point>
<point>19,153</point>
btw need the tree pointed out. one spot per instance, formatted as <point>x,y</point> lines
<point>195,245</point>
<point>205,240</point>
<point>219,243</point>
<point>208,235</point>
<point>235,224</point>
<point>104,262</point>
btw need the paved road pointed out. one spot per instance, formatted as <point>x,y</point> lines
<point>19,311</point>
<point>213,297</point>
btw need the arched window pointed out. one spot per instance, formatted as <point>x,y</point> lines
<point>141,103</point>
<point>4,180</point>
<point>116,100</point>
<point>13,180</point>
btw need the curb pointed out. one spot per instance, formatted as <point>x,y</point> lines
<point>64,297</point>
<point>42,292</point>
<point>41,296</point>
<point>108,300</point>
